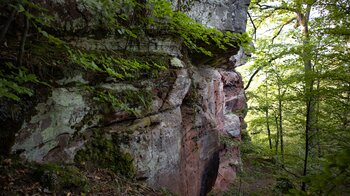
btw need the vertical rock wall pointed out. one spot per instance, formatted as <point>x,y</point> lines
<point>180,142</point>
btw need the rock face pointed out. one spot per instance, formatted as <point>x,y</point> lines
<point>225,15</point>
<point>183,139</point>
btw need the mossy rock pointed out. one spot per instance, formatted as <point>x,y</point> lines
<point>104,151</point>
<point>58,178</point>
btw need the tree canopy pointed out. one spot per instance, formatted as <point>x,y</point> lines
<point>298,87</point>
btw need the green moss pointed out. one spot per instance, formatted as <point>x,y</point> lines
<point>58,178</point>
<point>105,152</point>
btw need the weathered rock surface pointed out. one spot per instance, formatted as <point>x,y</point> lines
<point>225,15</point>
<point>53,126</point>
<point>177,146</point>
<point>178,140</point>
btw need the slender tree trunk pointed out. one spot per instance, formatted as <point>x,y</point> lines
<point>309,90</point>
<point>319,152</point>
<point>280,122</point>
<point>268,128</point>
<point>277,137</point>
<point>267,116</point>
<point>317,100</point>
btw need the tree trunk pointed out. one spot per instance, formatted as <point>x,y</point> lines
<point>267,116</point>
<point>319,152</point>
<point>280,121</point>
<point>309,83</point>
<point>268,128</point>
<point>277,137</point>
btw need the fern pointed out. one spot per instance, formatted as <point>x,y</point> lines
<point>132,102</point>
<point>116,67</point>
<point>12,83</point>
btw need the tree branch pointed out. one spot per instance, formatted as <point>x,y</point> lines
<point>267,7</point>
<point>281,28</point>
<point>257,71</point>
<point>251,20</point>
<point>251,77</point>
<point>264,17</point>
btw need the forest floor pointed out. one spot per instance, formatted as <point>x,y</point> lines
<point>256,177</point>
<point>21,178</point>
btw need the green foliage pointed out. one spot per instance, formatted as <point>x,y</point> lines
<point>105,152</point>
<point>116,103</point>
<point>12,83</point>
<point>283,185</point>
<point>133,102</point>
<point>334,175</point>
<point>15,79</point>
<point>194,33</point>
<point>117,67</point>
<point>38,15</point>
<point>290,61</point>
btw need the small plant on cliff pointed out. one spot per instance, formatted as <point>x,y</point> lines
<point>134,102</point>
<point>117,67</point>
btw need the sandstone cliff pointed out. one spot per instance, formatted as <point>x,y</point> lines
<point>177,129</point>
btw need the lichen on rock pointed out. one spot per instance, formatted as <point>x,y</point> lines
<point>55,118</point>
